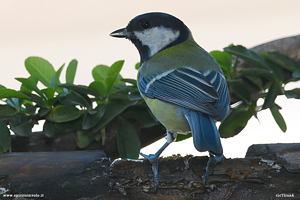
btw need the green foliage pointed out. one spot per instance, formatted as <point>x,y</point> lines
<point>236,121</point>
<point>5,138</point>
<point>247,55</point>
<point>41,69</point>
<point>71,71</point>
<point>225,61</point>
<point>128,140</point>
<point>278,117</point>
<point>240,88</point>
<point>67,107</point>
<point>9,93</point>
<point>262,79</point>
<point>105,77</point>
<point>6,112</point>
<point>181,137</point>
<point>63,113</point>
<point>88,110</point>
<point>21,125</point>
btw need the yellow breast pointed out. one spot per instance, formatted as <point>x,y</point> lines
<point>169,115</point>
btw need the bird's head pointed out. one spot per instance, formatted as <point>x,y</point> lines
<point>153,32</point>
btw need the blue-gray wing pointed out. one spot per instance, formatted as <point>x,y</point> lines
<point>204,92</point>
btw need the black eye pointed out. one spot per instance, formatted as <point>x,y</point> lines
<point>146,25</point>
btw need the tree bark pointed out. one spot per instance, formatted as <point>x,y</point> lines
<point>289,46</point>
<point>90,175</point>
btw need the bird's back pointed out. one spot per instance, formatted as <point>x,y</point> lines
<point>186,54</point>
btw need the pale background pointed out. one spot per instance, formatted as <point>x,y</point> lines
<point>62,30</point>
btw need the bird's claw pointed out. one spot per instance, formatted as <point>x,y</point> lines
<point>153,159</point>
<point>213,160</point>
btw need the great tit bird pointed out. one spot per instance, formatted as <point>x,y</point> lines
<point>181,83</point>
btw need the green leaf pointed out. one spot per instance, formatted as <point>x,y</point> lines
<point>10,93</point>
<point>2,87</point>
<point>274,90</point>
<point>129,144</point>
<point>236,121</point>
<point>35,98</point>
<point>27,89</point>
<point>137,66</point>
<point>5,138</point>
<point>99,87</point>
<point>30,109</point>
<point>91,120</point>
<point>98,136</point>
<point>131,81</point>
<point>296,74</point>
<point>53,100</point>
<point>247,55</point>
<point>112,110</point>
<point>72,126</point>
<point>100,73</point>
<point>71,71</point>
<point>256,80</point>
<point>63,113</point>
<point>43,111</point>
<point>181,137</point>
<point>80,89</point>
<point>295,93</point>
<point>135,96</point>
<point>112,75</point>
<point>125,88</point>
<point>118,97</point>
<point>276,71</point>
<point>20,125</point>
<point>74,98</point>
<point>240,88</point>
<point>49,129</point>
<point>40,68</point>
<point>282,60</point>
<point>49,92</point>
<point>278,118</point>
<point>267,74</point>
<point>55,78</point>
<point>6,112</point>
<point>83,139</point>
<point>31,84</point>
<point>224,59</point>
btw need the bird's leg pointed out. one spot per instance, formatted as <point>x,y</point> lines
<point>213,160</point>
<point>153,158</point>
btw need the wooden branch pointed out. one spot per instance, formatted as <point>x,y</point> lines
<point>289,46</point>
<point>91,175</point>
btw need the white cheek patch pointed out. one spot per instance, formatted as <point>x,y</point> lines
<point>156,38</point>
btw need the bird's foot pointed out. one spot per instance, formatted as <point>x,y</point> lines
<point>213,160</point>
<point>153,159</point>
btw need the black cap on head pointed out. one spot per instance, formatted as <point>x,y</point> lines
<point>147,21</point>
<point>154,19</point>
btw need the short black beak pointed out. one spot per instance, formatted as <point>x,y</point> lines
<point>121,33</point>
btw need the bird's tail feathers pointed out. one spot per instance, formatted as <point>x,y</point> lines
<point>206,136</point>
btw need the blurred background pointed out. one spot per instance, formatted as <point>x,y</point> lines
<point>60,31</point>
